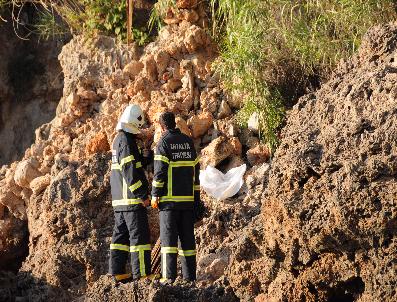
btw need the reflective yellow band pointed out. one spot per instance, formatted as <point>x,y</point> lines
<point>116,167</point>
<point>164,265</point>
<point>126,160</point>
<point>126,202</point>
<point>125,188</point>
<point>120,247</point>
<point>157,184</point>
<point>162,158</point>
<point>184,163</point>
<point>137,248</point>
<point>197,187</point>
<point>139,164</point>
<point>135,186</point>
<point>187,252</point>
<point>169,250</point>
<point>177,198</point>
<point>141,256</point>
<point>142,268</point>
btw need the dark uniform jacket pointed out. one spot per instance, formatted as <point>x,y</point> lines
<point>128,181</point>
<point>176,172</point>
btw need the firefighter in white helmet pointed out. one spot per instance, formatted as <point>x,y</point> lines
<point>130,198</point>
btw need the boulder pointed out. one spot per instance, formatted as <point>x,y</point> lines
<point>182,125</point>
<point>218,150</point>
<point>200,124</point>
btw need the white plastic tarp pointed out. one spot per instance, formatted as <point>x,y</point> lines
<point>219,185</point>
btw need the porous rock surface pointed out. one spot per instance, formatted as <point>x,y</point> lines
<point>329,212</point>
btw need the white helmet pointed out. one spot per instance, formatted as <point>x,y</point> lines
<point>131,120</point>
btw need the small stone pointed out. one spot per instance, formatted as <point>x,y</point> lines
<point>258,155</point>
<point>26,171</point>
<point>162,59</point>
<point>133,68</point>
<point>39,184</point>
<point>224,110</point>
<point>253,122</point>
<point>186,3</point>
<point>172,85</point>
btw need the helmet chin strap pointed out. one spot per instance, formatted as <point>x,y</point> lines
<point>131,128</point>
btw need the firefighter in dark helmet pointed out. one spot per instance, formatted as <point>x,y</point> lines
<point>176,191</point>
<point>129,188</point>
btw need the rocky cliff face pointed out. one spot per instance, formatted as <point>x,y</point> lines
<point>331,201</point>
<point>327,228</point>
<point>31,84</point>
<point>318,223</point>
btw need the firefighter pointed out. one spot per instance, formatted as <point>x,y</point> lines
<point>129,188</point>
<point>176,192</point>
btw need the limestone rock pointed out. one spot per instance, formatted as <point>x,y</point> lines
<point>331,190</point>
<point>133,68</point>
<point>195,38</point>
<point>39,184</point>
<point>173,85</point>
<point>258,155</point>
<point>87,95</point>
<point>162,59</point>
<point>98,144</point>
<point>186,3</point>
<point>182,125</point>
<point>209,99</point>
<point>224,110</point>
<point>26,171</point>
<point>257,175</point>
<point>218,150</point>
<point>200,124</point>
<point>188,15</point>
<point>149,68</point>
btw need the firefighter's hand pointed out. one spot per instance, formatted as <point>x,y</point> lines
<point>146,202</point>
<point>155,202</point>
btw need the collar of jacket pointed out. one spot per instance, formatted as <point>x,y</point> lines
<point>128,133</point>
<point>176,130</point>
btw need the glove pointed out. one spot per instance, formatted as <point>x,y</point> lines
<point>155,202</point>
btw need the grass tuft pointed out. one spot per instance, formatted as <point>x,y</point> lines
<point>273,51</point>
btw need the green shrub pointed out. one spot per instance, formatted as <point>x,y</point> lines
<point>83,16</point>
<point>273,51</point>
<point>46,26</point>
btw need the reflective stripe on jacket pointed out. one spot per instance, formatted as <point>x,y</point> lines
<point>176,171</point>
<point>128,181</point>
